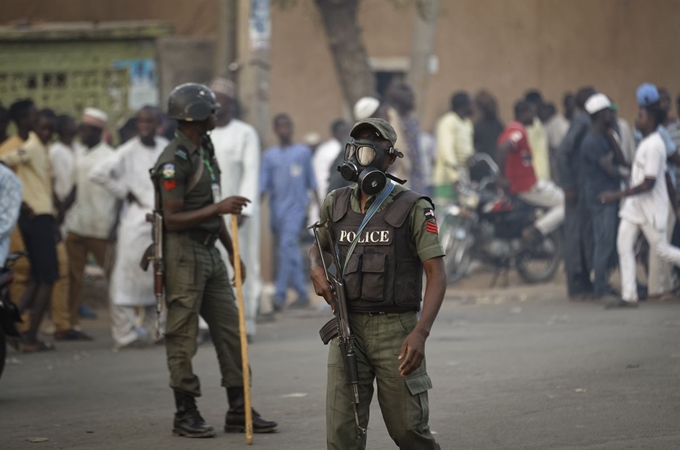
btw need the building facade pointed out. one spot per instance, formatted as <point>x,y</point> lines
<point>506,46</point>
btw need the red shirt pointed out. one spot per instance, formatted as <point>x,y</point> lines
<point>518,168</point>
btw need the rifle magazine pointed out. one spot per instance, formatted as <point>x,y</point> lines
<point>329,331</point>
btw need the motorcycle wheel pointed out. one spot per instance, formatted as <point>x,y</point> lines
<point>538,265</point>
<point>457,243</point>
<point>3,352</point>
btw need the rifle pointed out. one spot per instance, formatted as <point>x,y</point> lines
<point>155,252</point>
<point>339,325</point>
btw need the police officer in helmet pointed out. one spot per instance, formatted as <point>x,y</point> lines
<point>383,286</point>
<point>196,281</point>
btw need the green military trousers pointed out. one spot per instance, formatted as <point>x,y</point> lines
<point>197,282</point>
<point>403,401</point>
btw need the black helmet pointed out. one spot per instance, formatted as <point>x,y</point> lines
<point>191,102</point>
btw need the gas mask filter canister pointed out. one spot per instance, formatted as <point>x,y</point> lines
<point>363,163</point>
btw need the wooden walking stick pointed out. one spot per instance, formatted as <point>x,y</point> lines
<point>242,329</point>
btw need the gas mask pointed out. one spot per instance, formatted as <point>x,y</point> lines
<point>363,165</point>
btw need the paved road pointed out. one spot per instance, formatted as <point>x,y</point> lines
<point>513,368</point>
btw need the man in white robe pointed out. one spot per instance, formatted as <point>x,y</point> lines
<point>126,175</point>
<point>323,160</point>
<point>237,150</point>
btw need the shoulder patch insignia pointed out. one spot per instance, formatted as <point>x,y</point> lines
<point>431,227</point>
<point>168,171</point>
<point>430,221</point>
<point>169,185</point>
<point>181,154</point>
<point>429,213</point>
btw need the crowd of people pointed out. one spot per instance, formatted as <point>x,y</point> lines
<point>79,198</point>
<point>73,196</point>
<point>597,178</point>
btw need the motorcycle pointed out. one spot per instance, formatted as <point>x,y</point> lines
<point>9,313</point>
<point>485,225</point>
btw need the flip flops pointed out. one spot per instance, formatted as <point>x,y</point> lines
<point>39,346</point>
<point>71,335</point>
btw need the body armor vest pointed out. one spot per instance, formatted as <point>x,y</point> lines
<point>384,274</point>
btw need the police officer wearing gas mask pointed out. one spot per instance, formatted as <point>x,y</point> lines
<point>383,283</point>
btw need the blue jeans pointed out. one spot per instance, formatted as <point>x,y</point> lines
<point>605,225</point>
<point>289,270</point>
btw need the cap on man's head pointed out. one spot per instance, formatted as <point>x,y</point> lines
<point>381,127</point>
<point>598,102</point>
<point>95,117</point>
<point>647,94</point>
<point>533,96</point>
<point>220,85</point>
<point>312,139</point>
<point>365,107</point>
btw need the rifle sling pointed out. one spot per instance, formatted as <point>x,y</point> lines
<point>197,175</point>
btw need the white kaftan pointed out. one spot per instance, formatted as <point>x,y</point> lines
<point>127,171</point>
<point>237,150</point>
<point>62,159</point>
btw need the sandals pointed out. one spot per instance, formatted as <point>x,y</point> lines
<point>71,335</point>
<point>39,346</point>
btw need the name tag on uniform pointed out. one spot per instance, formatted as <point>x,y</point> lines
<point>216,193</point>
<point>370,236</point>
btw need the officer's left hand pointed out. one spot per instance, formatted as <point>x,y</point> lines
<point>412,353</point>
<point>243,271</point>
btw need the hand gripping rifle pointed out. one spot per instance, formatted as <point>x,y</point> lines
<point>155,254</point>
<point>339,325</point>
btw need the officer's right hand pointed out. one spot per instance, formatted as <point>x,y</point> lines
<point>232,205</point>
<point>321,286</point>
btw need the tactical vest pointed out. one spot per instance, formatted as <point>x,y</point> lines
<point>384,274</point>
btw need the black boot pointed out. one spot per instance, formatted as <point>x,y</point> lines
<point>188,421</point>
<point>236,416</point>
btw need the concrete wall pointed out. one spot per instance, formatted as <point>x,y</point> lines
<point>190,17</point>
<point>173,54</point>
<point>506,46</point>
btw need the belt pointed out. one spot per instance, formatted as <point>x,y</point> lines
<point>382,313</point>
<point>203,237</point>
